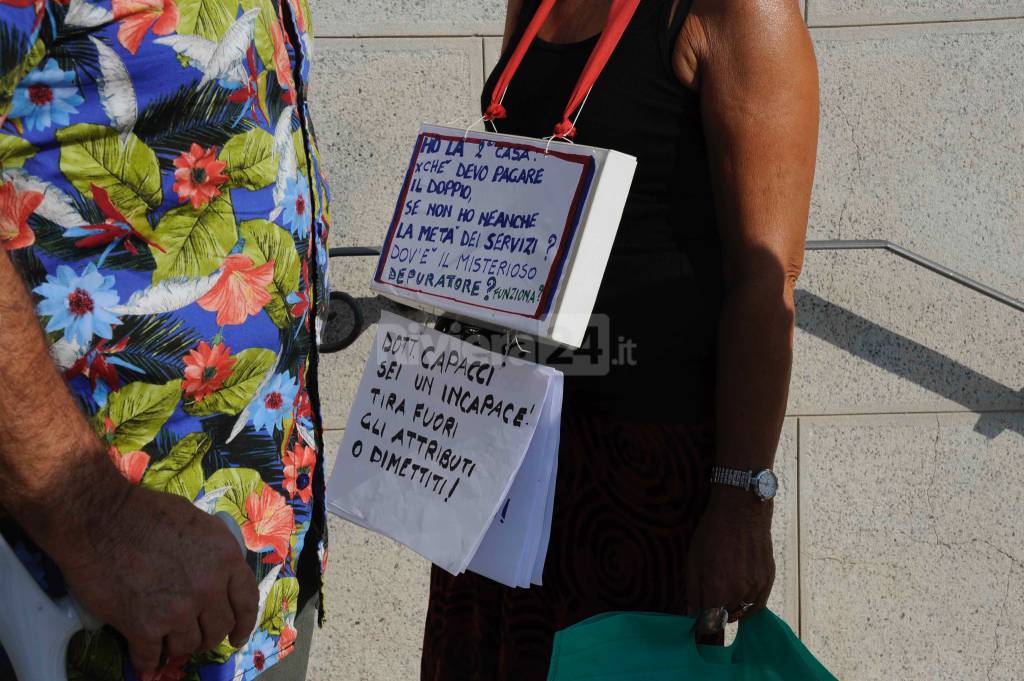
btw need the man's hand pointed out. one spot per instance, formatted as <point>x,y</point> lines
<point>168,576</point>
<point>731,560</point>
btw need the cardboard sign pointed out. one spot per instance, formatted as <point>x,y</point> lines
<point>509,231</point>
<point>447,444</point>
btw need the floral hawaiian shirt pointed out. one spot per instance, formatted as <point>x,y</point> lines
<point>161,195</point>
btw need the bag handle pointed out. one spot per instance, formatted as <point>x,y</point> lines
<point>619,16</point>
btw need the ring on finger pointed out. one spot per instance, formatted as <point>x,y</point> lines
<point>712,621</point>
<point>741,611</point>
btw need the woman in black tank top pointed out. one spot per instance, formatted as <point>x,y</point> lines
<point>694,320</point>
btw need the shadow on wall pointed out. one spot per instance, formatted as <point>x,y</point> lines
<point>873,343</point>
<point>909,360</point>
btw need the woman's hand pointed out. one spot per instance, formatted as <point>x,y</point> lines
<point>731,561</point>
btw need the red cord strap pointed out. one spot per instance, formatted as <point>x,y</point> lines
<point>496,110</point>
<point>618,20</point>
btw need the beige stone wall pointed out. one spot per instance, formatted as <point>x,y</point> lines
<point>900,531</point>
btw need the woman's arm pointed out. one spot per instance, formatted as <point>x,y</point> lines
<point>753,65</point>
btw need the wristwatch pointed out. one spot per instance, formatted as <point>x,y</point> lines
<point>764,484</point>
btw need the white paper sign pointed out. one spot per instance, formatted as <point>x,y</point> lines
<point>515,547</point>
<point>504,229</point>
<point>437,435</point>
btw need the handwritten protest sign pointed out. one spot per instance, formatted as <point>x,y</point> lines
<point>505,229</point>
<point>524,524</point>
<point>437,436</point>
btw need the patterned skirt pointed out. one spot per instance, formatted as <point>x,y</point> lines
<point>628,497</point>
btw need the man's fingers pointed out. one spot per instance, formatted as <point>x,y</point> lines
<point>244,594</point>
<point>145,654</point>
<point>182,643</point>
<point>216,625</point>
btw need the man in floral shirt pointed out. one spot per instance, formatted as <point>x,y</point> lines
<point>164,221</point>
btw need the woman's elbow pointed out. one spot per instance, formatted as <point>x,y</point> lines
<point>770,282</point>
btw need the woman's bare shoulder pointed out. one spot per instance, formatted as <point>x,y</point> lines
<point>737,32</point>
<point>512,10</point>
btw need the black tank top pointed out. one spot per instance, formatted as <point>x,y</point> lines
<point>662,289</point>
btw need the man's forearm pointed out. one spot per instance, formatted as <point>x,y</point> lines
<point>755,358</point>
<point>48,450</point>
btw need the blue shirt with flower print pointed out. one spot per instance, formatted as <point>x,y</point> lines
<point>161,195</point>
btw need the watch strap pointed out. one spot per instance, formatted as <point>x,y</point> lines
<point>731,477</point>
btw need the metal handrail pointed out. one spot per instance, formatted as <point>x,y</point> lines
<point>349,251</point>
<point>829,245</point>
<point>328,347</point>
<point>822,245</point>
<point>941,270</point>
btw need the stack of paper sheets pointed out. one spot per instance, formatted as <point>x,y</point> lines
<point>451,449</point>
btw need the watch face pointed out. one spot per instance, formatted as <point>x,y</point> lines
<point>767,485</point>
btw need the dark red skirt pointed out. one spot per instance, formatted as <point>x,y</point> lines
<point>628,497</point>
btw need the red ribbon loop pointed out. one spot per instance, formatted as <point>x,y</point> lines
<point>517,56</point>
<point>495,112</point>
<point>621,14</point>
<point>565,129</point>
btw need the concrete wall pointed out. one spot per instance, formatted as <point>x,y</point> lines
<point>900,532</point>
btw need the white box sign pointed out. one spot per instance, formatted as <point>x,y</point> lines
<point>505,230</point>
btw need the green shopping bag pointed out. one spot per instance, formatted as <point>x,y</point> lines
<point>655,647</point>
